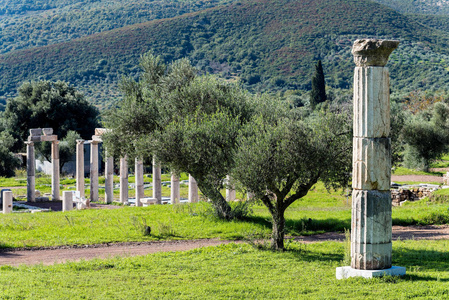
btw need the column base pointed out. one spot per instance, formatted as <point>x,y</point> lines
<point>347,272</point>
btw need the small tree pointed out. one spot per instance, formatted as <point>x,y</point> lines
<point>318,93</point>
<point>280,157</point>
<point>426,136</point>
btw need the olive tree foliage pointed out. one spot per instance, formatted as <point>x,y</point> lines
<point>282,154</point>
<point>188,122</point>
<point>47,104</point>
<point>8,162</point>
<point>426,136</point>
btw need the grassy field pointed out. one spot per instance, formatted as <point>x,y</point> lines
<point>318,212</point>
<point>234,271</point>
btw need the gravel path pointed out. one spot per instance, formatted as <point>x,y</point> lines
<point>417,178</point>
<point>51,256</point>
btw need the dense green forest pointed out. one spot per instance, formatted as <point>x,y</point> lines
<point>430,7</point>
<point>266,44</point>
<point>25,24</point>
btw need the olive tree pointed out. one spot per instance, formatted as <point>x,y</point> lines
<point>282,154</point>
<point>189,122</point>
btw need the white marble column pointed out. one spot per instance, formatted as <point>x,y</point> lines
<point>193,190</point>
<point>94,171</point>
<point>139,181</point>
<point>67,200</point>
<point>371,224</point>
<point>7,202</point>
<point>123,180</point>
<point>31,171</point>
<point>55,170</point>
<point>175,192</point>
<point>157,182</point>
<point>230,191</point>
<point>109,180</point>
<point>80,167</point>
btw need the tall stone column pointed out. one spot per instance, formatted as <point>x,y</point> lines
<point>94,170</point>
<point>230,191</point>
<point>193,190</point>
<point>139,181</point>
<point>175,192</point>
<point>80,167</point>
<point>157,182</point>
<point>109,180</point>
<point>123,180</point>
<point>31,171</point>
<point>371,246</point>
<point>55,170</point>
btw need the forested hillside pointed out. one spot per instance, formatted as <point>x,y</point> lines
<point>27,23</point>
<point>267,44</point>
<point>428,7</point>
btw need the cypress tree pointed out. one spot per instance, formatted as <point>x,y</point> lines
<point>318,93</point>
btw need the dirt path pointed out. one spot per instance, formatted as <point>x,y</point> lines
<point>64,254</point>
<point>417,178</point>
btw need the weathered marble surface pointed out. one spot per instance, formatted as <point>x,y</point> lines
<point>80,167</point>
<point>7,202</point>
<point>371,158</point>
<point>175,192</point>
<point>193,190</point>
<point>109,180</point>
<point>372,52</point>
<point>371,230</point>
<point>139,181</point>
<point>31,171</point>
<point>371,102</point>
<point>123,180</point>
<point>157,182</point>
<point>67,200</point>
<point>94,171</point>
<point>55,176</point>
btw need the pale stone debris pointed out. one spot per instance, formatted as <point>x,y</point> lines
<point>175,192</point>
<point>157,181</point>
<point>371,227</point>
<point>193,190</point>
<point>80,167</point>
<point>67,200</point>
<point>7,202</point>
<point>123,180</point>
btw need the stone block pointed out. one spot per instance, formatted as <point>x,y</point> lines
<point>371,102</point>
<point>371,164</point>
<point>47,131</point>
<point>347,272</point>
<point>100,131</point>
<point>371,230</point>
<point>36,132</point>
<point>49,138</point>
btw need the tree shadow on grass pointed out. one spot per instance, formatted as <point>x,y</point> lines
<point>305,226</point>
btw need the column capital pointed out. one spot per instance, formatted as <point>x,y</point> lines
<point>80,142</point>
<point>29,143</point>
<point>372,52</point>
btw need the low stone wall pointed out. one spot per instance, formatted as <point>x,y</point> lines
<point>411,193</point>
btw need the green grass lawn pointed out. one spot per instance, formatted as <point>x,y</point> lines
<point>405,171</point>
<point>318,212</point>
<point>234,271</point>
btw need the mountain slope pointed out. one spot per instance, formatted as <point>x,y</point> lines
<point>268,44</point>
